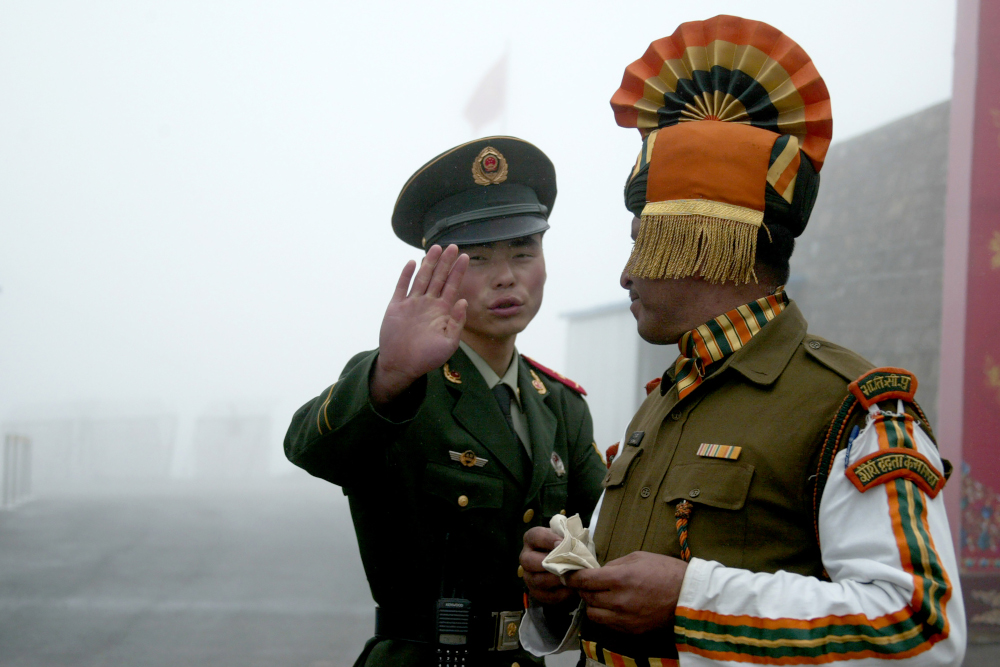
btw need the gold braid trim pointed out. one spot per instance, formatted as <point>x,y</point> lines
<point>687,237</point>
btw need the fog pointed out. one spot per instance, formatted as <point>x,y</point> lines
<point>195,202</point>
<point>195,197</point>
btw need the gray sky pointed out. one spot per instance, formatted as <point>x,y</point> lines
<point>195,196</point>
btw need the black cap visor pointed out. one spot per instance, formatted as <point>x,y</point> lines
<point>488,231</point>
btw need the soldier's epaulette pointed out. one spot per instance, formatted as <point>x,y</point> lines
<point>652,384</point>
<point>555,376</point>
<point>845,363</point>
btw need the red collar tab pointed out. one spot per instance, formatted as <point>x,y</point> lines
<point>555,376</point>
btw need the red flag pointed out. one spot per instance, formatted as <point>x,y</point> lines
<point>489,101</point>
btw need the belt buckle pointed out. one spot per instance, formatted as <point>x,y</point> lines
<point>507,625</point>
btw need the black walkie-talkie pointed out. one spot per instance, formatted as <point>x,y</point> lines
<point>453,615</point>
<point>454,618</point>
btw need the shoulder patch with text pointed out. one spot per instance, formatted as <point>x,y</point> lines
<point>889,464</point>
<point>882,384</point>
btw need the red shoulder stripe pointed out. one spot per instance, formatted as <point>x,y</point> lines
<point>555,376</point>
<point>652,384</point>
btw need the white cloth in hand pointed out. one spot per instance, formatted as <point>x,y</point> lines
<point>575,552</point>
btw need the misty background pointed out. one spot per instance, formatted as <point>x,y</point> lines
<point>195,197</point>
<point>195,203</point>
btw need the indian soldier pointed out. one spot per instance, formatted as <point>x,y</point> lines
<point>776,499</point>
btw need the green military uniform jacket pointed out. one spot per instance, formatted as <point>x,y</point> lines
<point>774,398</point>
<point>428,525</point>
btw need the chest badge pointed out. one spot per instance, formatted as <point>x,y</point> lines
<point>452,376</point>
<point>557,465</point>
<point>468,458</point>
<point>731,452</point>
<point>537,384</point>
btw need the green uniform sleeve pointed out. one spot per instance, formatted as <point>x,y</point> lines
<point>339,433</point>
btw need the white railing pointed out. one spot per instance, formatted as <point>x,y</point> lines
<point>15,471</point>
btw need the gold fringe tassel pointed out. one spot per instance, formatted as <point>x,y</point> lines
<point>682,245</point>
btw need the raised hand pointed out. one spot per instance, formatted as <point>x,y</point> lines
<point>421,327</point>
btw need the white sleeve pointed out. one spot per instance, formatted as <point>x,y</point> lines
<point>885,542</point>
<point>535,636</point>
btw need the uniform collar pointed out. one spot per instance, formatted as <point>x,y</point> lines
<point>720,338</point>
<point>765,357</point>
<point>489,375</point>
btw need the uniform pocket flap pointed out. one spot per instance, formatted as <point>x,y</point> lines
<point>554,495</point>
<point>620,467</point>
<point>722,484</point>
<point>462,489</point>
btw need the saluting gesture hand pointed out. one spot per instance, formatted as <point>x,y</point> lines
<point>421,327</point>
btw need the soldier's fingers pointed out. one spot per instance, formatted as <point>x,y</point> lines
<point>604,616</point>
<point>605,600</point>
<point>540,538</point>
<point>425,271</point>
<point>542,581</point>
<point>531,560</point>
<point>403,284</point>
<point>458,312</point>
<point>589,580</point>
<point>441,271</point>
<point>451,286</point>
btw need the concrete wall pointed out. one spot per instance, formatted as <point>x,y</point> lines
<point>867,270</point>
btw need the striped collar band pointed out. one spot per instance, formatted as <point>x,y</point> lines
<point>720,337</point>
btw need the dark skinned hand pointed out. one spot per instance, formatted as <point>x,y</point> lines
<point>543,586</point>
<point>633,594</point>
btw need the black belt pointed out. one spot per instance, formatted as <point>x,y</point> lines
<point>489,630</point>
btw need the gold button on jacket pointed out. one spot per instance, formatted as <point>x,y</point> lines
<point>397,469</point>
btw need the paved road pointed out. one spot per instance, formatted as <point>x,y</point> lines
<point>192,575</point>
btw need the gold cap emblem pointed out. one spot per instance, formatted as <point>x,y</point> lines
<point>489,167</point>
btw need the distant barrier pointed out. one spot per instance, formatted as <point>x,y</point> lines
<point>15,471</point>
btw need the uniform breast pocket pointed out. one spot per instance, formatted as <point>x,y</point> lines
<point>461,489</point>
<point>718,490</point>
<point>554,495</point>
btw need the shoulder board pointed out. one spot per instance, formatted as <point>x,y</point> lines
<point>845,363</point>
<point>652,384</point>
<point>883,384</point>
<point>555,376</point>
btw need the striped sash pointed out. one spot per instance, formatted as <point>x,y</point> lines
<point>720,337</point>
<point>602,656</point>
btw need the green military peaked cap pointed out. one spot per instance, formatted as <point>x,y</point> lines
<point>490,189</point>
